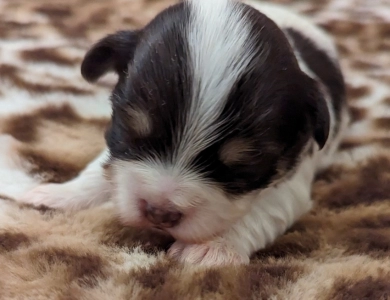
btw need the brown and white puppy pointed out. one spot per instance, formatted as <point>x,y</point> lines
<point>221,116</point>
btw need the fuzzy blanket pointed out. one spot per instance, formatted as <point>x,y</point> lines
<point>51,125</point>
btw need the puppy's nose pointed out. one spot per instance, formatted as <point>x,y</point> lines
<point>166,218</point>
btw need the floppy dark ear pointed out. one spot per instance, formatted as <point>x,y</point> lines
<point>319,115</point>
<point>322,123</point>
<point>112,53</point>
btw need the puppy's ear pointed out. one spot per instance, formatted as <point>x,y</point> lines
<point>112,53</point>
<point>319,113</point>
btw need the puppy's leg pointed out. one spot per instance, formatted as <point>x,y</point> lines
<point>272,213</point>
<point>90,188</point>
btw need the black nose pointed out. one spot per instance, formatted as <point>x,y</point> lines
<point>166,218</point>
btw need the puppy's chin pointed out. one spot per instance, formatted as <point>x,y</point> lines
<point>206,210</point>
<point>189,231</point>
<point>200,227</point>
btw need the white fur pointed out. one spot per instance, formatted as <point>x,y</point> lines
<point>244,225</point>
<point>212,26</point>
<point>271,213</point>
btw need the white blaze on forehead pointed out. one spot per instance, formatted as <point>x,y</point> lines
<point>220,50</point>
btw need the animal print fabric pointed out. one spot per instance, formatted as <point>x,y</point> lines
<point>51,124</point>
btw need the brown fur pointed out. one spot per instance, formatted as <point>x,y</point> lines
<point>340,250</point>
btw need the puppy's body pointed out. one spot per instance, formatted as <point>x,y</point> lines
<point>221,118</point>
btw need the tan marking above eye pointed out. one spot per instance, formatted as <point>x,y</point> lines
<point>234,151</point>
<point>139,121</point>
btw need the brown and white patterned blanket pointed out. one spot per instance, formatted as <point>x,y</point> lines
<point>51,125</point>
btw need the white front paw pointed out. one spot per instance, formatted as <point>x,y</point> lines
<point>56,196</point>
<point>211,254</point>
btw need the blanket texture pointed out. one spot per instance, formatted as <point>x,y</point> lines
<point>51,126</point>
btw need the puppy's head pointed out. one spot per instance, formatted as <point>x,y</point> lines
<point>210,109</point>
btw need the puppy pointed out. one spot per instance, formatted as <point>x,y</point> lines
<point>222,114</point>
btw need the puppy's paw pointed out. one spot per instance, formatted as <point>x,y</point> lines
<point>210,254</point>
<point>57,196</point>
